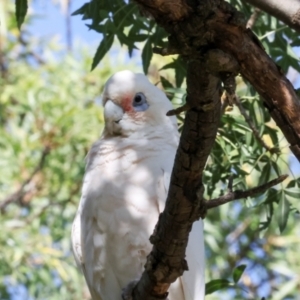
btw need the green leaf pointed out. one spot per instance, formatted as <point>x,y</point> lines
<point>237,272</point>
<point>283,212</point>
<point>295,43</point>
<point>158,36</point>
<point>293,192</point>
<point>272,196</point>
<point>293,195</point>
<point>168,87</point>
<point>21,11</point>
<point>81,10</point>
<point>107,28</point>
<point>103,48</point>
<point>216,285</point>
<point>180,70</point>
<point>165,83</point>
<point>290,52</point>
<point>147,55</point>
<point>265,173</point>
<point>124,16</point>
<point>171,65</point>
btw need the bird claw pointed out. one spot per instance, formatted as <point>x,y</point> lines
<point>127,291</point>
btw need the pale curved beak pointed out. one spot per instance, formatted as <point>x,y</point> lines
<point>113,114</point>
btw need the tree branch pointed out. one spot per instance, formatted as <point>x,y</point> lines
<point>287,11</point>
<point>195,28</point>
<point>275,89</point>
<point>166,262</point>
<point>178,110</point>
<point>21,192</point>
<point>235,195</point>
<point>216,24</point>
<point>35,55</point>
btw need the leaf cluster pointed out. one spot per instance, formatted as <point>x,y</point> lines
<point>121,20</point>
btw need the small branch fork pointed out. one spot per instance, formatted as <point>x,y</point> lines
<point>236,195</point>
<point>272,150</point>
<point>231,98</point>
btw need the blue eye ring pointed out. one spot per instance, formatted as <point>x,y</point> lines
<point>139,99</point>
<point>139,102</point>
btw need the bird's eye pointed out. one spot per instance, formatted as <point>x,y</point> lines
<point>138,98</point>
<point>139,102</point>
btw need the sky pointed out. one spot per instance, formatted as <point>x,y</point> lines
<point>52,21</point>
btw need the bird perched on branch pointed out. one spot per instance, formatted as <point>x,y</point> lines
<point>124,191</point>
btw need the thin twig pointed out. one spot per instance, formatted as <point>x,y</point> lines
<point>255,131</point>
<point>3,64</point>
<point>178,110</point>
<point>36,56</point>
<point>230,183</point>
<point>287,11</point>
<point>240,229</point>
<point>69,26</point>
<point>21,192</point>
<point>253,18</point>
<point>229,84</point>
<point>225,103</point>
<point>165,51</point>
<point>235,195</point>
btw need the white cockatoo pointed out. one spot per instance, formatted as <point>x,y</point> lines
<point>124,191</point>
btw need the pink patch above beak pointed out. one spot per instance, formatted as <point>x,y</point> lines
<point>126,104</point>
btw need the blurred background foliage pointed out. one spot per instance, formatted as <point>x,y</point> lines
<point>49,118</point>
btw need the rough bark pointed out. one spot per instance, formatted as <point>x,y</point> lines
<point>287,11</point>
<point>184,202</point>
<point>212,37</point>
<point>267,78</point>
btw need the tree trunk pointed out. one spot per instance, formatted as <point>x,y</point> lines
<point>200,30</point>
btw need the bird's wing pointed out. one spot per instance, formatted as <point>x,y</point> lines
<point>77,251</point>
<point>193,280</point>
<point>90,250</point>
<point>115,218</point>
<point>87,241</point>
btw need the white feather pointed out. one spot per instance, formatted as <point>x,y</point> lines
<point>124,190</point>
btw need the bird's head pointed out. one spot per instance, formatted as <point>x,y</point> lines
<point>132,105</point>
